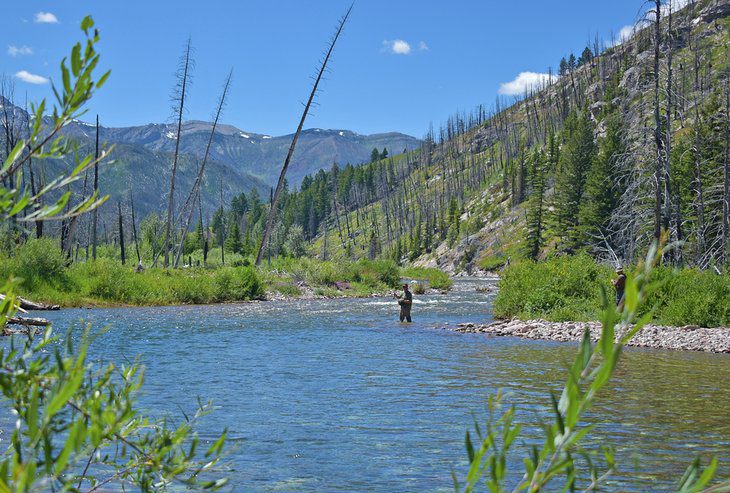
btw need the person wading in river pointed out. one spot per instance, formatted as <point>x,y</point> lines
<point>405,302</point>
<point>620,284</point>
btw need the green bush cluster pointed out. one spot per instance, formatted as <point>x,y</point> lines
<point>36,262</point>
<point>559,289</point>
<point>435,278</point>
<point>492,262</point>
<point>692,297</point>
<point>569,288</point>
<point>370,274</point>
<point>46,277</point>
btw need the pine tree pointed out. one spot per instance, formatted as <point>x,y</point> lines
<point>219,226</point>
<point>374,155</point>
<point>563,67</point>
<point>454,222</point>
<point>536,204</point>
<point>233,242</point>
<point>576,159</point>
<point>585,57</point>
<point>199,235</point>
<point>601,194</point>
<point>416,241</point>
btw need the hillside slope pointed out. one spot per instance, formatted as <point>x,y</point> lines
<point>598,160</point>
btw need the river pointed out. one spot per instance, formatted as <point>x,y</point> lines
<point>336,395</point>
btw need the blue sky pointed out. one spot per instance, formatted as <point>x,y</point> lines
<point>398,66</point>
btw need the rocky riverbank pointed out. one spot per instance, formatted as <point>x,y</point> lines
<point>688,338</point>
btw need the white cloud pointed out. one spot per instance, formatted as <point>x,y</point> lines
<point>524,82</point>
<point>625,34</point>
<point>26,76</point>
<point>628,32</point>
<point>676,5</point>
<point>422,46</point>
<point>46,18</point>
<point>397,47</point>
<point>19,50</point>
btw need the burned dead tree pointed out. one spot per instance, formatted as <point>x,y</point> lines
<point>280,184</point>
<point>183,80</point>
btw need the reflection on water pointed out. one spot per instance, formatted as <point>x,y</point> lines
<point>336,395</point>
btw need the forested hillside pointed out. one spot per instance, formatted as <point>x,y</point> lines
<point>621,145</point>
<point>625,143</point>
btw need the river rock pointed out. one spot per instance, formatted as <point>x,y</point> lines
<point>688,338</point>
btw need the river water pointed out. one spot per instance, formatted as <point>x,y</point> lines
<point>336,395</point>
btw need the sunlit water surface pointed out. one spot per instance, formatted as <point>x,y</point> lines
<point>336,395</point>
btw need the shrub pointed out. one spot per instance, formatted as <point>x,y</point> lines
<point>38,262</point>
<point>193,287</point>
<point>374,272</point>
<point>492,262</point>
<point>111,281</point>
<point>561,288</point>
<point>419,288</point>
<point>691,296</point>
<point>237,284</point>
<point>291,290</point>
<point>569,288</point>
<point>436,279</point>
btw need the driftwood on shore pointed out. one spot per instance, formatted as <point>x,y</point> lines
<point>25,305</point>
<point>688,338</point>
<point>32,305</point>
<point>24,325</point>
<point>28,321</point>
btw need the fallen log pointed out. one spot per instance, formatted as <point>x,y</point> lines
<point>22,325</point>
<point>28,321</point>
<point>24,304</point>
<point>32,305</point>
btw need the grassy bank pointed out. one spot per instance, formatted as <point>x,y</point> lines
<point>569,288</point>
<point>46,278</point>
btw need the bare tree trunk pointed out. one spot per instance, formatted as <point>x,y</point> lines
<point>121,233</point>
<point>282,176</point>
<point>95,220</point>
<point>724,253</point>
<point>183,81</point>
<point>223,227</point>
<point>659,168</point>
<point>199,178</point>
<point>134,228</point>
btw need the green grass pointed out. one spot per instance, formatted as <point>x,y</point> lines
<point>46,278</point>
<point>568,288</point>
<point>435,278</point>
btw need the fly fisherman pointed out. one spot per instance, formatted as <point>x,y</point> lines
<point>405,301</point>
<point>620,284</point>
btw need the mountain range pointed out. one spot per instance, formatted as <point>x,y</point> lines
<point>239,161</point>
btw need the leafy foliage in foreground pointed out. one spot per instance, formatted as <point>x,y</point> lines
<point>560,463</point>
<point>76,427</point>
